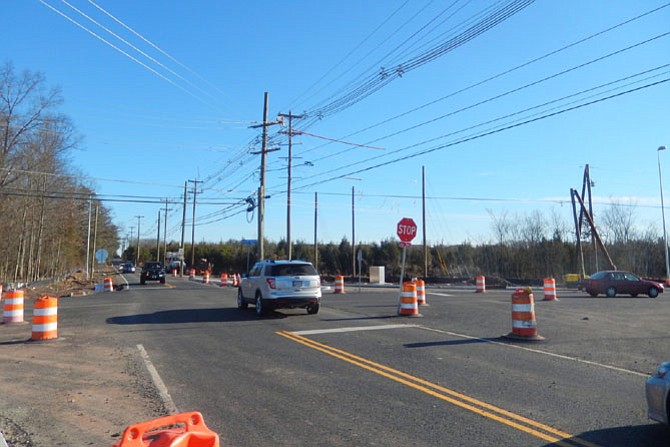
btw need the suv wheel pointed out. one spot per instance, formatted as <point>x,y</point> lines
<point>260,310</point>
<point>241,304</point>
<point>313,309</point>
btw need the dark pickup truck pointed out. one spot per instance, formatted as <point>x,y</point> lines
<point>152,271</point>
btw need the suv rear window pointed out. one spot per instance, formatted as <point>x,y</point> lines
<point>291,270</point>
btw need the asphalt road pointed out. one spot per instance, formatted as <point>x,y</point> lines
<point>358,374</point>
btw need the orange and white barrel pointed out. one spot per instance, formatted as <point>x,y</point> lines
<point>12,308</point>
<point>409,306</point>
<point>524,326</point>
<point>109,285</point>
<point>205,278</point>
<point>339,284</point>
<point>45,318</point>
<point>224,279</point>
<point>549,289</point>
<point>420,291</point>
<point>480,284</point>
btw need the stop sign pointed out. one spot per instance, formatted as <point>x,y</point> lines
<point>406,229</point>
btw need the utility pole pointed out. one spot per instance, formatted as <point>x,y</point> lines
<point>165,232</point>
<point>353,235</point>
<point>195,193</point>
<point>316,243</point>
<point>183,228</point>
<point>137,254</point>
<point>290,117</point>
<point>423,209</point>
<point>261,188</point>
<point>130,239</point>
<point>88,239</point>
<point>95,238</point>
<point>158,238</point>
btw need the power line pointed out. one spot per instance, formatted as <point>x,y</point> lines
<point>487,133</point>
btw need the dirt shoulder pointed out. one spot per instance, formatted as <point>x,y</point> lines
<point>81,389</point>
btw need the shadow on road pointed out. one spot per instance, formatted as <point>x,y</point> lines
<point>191,316</point>
<point>650,435</point>
<point>451,342</point>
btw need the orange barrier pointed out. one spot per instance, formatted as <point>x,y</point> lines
<point>420,291</point>
<point>176,430</point>
<point>409,305</point>
<point>339,284</point>
<point>549,289</point>
<point>45,318</point>
<point>205,278</point>
<point>224,279</point>
<point>12,309</point>
<point>524,326</point>
<point>480,284</point>
<point>109,285</point>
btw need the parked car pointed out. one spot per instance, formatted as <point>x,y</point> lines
<point>616,282</point>
<point>656,389</point>
<point>152,271</point>
<point>127,267</point>
<point>280,284</point>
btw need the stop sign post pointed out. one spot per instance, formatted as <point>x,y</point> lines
<point>406,230</point>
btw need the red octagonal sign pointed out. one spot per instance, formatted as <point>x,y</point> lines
<point>406,229</point>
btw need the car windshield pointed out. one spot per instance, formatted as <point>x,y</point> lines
<point>291,270</point>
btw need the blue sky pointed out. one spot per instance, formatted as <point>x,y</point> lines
<point>474,112</point>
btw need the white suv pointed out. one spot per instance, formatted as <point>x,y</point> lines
<point>280,284</point>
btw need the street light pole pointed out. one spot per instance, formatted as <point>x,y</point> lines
<point>665,234</point>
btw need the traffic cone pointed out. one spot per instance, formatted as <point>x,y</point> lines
<point>524,326</point>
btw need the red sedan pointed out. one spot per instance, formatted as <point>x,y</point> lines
<point>613,282</point>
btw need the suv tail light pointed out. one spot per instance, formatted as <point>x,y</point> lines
<point>271,282</point>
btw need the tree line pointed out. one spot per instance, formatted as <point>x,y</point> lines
<point>47,208</point>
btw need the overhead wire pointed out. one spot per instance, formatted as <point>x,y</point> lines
<point>165,53</point>
<point>486,133</point>
<point>508,71</point>
<point>507,93</point>
<point>376,82</point>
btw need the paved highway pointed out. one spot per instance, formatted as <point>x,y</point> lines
<point>358,374</point>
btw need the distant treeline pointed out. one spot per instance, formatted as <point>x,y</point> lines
<point>511,260</point>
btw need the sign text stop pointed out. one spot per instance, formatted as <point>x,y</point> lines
<point>406,229</point>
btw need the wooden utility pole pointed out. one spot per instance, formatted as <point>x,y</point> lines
<point>290,117</point>
<point>353,235</point>
<point>423,206</point>
<point>316,243</point>
<point>195,193</point>
<point>165,232</point>
<point>137,255</point>
<point>158,238</point>
<point>183,229</point>
<point>261,188</point>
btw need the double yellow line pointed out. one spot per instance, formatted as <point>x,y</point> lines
<point>542,431</point>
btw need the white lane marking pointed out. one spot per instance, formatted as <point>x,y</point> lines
<point>438,294</point>
<point>170,407</point>
<point>537,351</point>
<point>354,329</point>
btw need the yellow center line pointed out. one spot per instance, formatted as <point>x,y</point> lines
<point>481,408</point>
